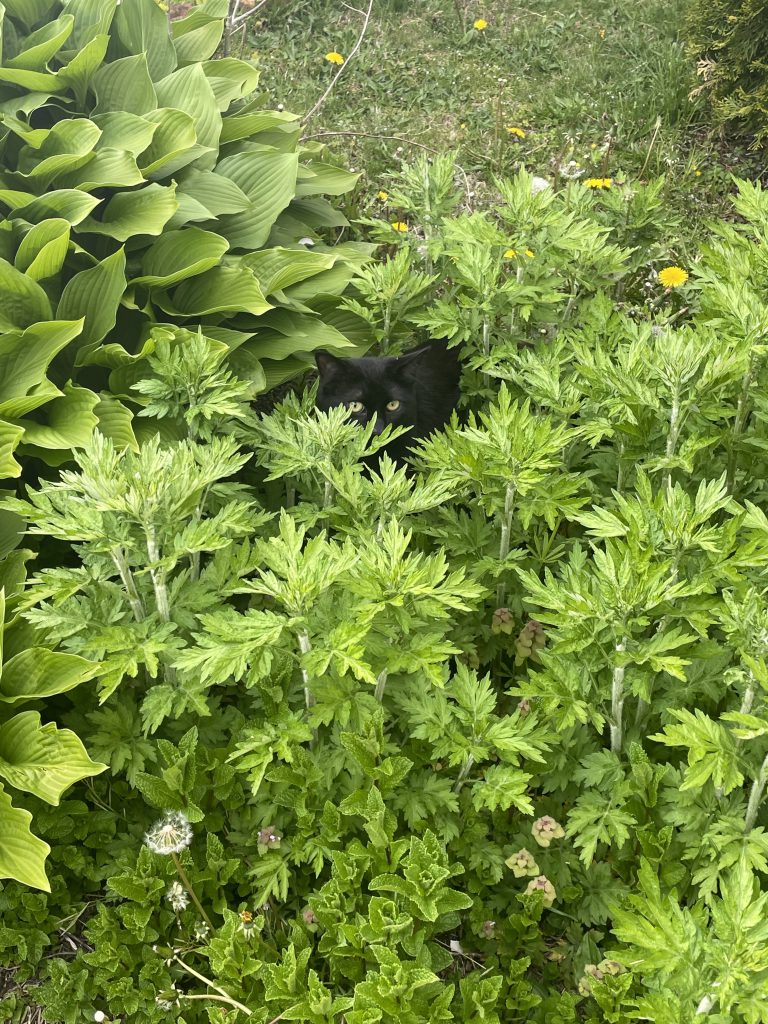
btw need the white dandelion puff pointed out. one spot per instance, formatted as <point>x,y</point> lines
<point>177,896</point>
<point>171,834</point>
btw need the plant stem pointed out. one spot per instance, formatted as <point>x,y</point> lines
<point>305,647</point>
<point>674,431</point>
<point>121,563</point>
<point>218,999</point>
<point>746,706</point>
<point>740,420</point>
<point>381,682</point>
<point>755,796</point>
<point>506,530</point>
<point>327,494</point>
<point>706,1004</point>
<point>464,772</point>
<point>223,996</point>
<point>158,575</point>
<point>190,889</point>
<point>617,701</point>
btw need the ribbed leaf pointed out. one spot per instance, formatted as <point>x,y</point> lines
<point>42,759</point>
<point>268,178</point>
<point>37,672</point>
<point>223,289</point>
<point>22,855</point>
<point>34,81</point>
<point>174,144</point>
<point>68,203</point>
<point>67,146</point>
<point>115,421</point>
<point>120,130</point>
<point>143,28</point>
<point>109,168</point>
<point>25,355</point>
<point>22,300</point>
<point>187,89</point>
<point>92,18</point>
<point>278,268</point>
<point>145,212</point>
<point>95,294</point>
<point>125,84</point>
<point>244,126</point>
<point>317,178</point>
<point>231,79</point>
<point>197,36</point>
<point>286,332</point>
<point>41,45</point>
<point>10,437</point>
<point>178,255</point>
<point>38,395</point>
<point>28,12</point>
<point>215,192</point>
<point>78,73</point>
<point>71,421</point>
<point>43,249</point>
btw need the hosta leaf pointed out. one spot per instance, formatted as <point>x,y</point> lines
<point>268,178</point>
<point>43,249</point>
<point>218,290</point>
<point>174,144</point>
<point>231,79</point>
<point>125,84</point>
<point>71,421</point>
<point>67,146</point>
<point>142,27</point>
<point>40,394</point>
<point>200,42</point>
<point>109,168</point>
<point>286,332</point>
<point>95,294</point>
<point>10,436</point>
<point>115,421</point>
<point>34,81</point>
<point>177,255</point>
<point>243,126</point>
<point>70,204</point>
<point>37,672</point>
<point>120,130</point>
<point>42,44</point>
<point>279,268</point>
<point>144,212</point>
<point>42,759</point>
<point>92,18</point>
<point>215,192</point>
<point>187,89</point>
<point>77,74</point>
<point>22,855</point>
<point>22,300</point>
<point>25,355</point>
<point>317,178</point>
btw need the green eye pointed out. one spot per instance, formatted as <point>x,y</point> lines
<point>355,406</point>
<point>393,406</point>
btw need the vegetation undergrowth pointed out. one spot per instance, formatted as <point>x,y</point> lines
<point>482,742</point>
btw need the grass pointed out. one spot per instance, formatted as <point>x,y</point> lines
<point>606,86</point>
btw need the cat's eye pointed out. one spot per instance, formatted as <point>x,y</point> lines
<point>355,406</point>
<point>393,406</point>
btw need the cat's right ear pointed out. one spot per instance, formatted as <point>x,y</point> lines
<point>328,366</point>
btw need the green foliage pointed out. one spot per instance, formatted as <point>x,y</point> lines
<point>147,188</point>
<point>729,39</point>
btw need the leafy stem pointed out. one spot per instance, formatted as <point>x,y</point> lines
<point>381,682</point>
<point>617,700</point>
<point>223,996</point>
<point>742,412</point>
<point>756,796</point>
<point>134,598</point>
<point>305,647</point>
<point>506,531</point>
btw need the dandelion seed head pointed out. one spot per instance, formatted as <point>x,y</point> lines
<point>177,896</point>
<point>171,834</point>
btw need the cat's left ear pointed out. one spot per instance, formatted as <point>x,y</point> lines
<point>435,356</point>
<point>328,366</point>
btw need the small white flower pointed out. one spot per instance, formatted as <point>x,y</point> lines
<point>177,896</point>
<point>99,1015</point>
<point>539,184</point>
<point>309,242</point>
<point>280,108</point>
<point>171,834</point>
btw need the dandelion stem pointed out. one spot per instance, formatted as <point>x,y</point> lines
<point>506,530</point>
<point>755,796</point>
<point>617,700</point>
<point>190,889</point>
<point>223,996</point>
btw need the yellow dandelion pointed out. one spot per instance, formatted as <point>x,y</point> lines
<point>598,182</point>
<point>601,33</point>
<point>510,254</point>
<point>480,25</point>
<point>697,172</point>
<point>517,131</point>
<point>334,58</point>
<point>673,277</point>
<point>399,225</point>
<point>593,145</point>
<point>382,196</point>
<point>529,254</point>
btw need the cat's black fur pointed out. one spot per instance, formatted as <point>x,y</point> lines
<point>424,381</point>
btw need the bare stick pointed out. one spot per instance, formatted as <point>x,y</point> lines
<point>340,72</point>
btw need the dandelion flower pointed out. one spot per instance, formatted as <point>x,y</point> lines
<point>177,896</point>
<point>516,131</point>
<point>171,834</point>
<point>382,196</point>
<point>673,277</point>
<point>480,25</point>
<point>248,928</point>
<point>334,58</point>
<point>601,33</point>
<point>529,253</point>
<point>399,225</point>
<point>510,254</point>
<point>598,182</point>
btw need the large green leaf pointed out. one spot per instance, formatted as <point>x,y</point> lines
<point>188,89</point>
<point>177,255</point>
<point>197,36</point>
<point>42,759</point>
<point>125,84</point>
<point>109,168</point>
<point>95,294</point>
<point>243,126</point>
<point>34,81</point>
<point>69,203</point>
<point>115,421</point>
<point>22,855</point>
<point>318,178</point>
<point>230,79</point>
<point>144,212</point>
<point>222,289</point>
<point>286,332</point>
<point>37,672</point>
<point>143,28</point>
<point>43,249</point>
<point>121,130</point>
<point>28,12</point>
<point>268,178</point>
<point>70,421</point>
<point>78,73</point>
<point>12,529</point>
<point>174,144</point>
<point>214,192</point>
<point>25,355</point>
<point>22,300</point>
<point>92,18</point>
<point>10,437</point>
<point>42,44</point>
<point>38,395</point>
<point>67,147</point>
<point>278,268</point>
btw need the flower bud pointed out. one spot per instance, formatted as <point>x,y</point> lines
<point>522,863</point>
<point>545,829</point>
<point>502,621</point>
<point>543,884</point>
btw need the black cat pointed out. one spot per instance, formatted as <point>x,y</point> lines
<point>419,389</point>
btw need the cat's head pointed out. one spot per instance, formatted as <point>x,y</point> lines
<point>419,389</point>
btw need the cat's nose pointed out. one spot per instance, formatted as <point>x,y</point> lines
<point>379,425</point>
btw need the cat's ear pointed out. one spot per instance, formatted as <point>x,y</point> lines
<point>328,366</point>
<point>435,358</point>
